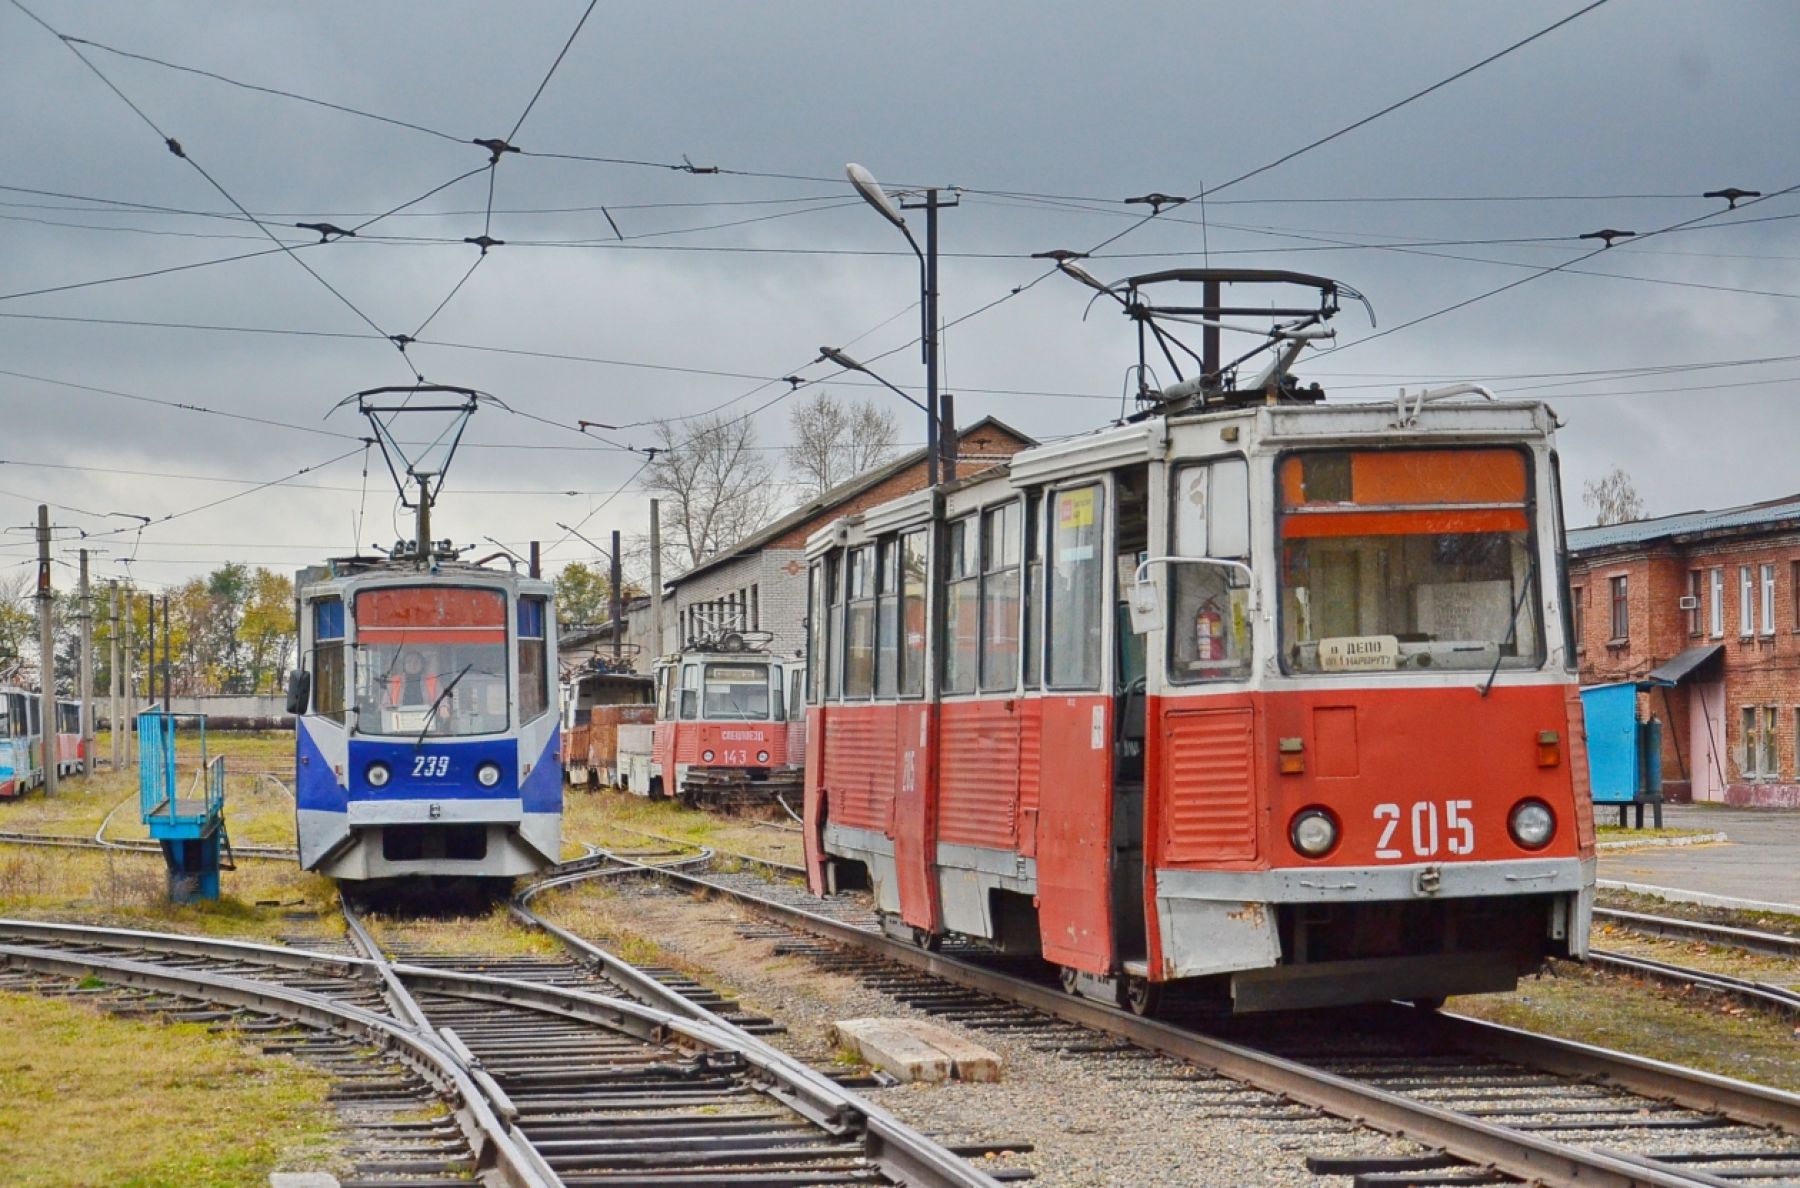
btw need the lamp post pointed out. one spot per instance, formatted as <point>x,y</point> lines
<point>875,196</point>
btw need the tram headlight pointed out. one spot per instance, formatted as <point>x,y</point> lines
<point>1532,824</point>
<point>377,775</point>
<point>706,756</point>
<point>762,756</point>
<point>488,774</point>
<point>1313,832</point>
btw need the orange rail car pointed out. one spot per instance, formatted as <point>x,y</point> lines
<point>595,704</point>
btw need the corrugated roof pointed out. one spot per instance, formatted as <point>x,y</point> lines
<point>824,504</point>
<point>1637,532</point>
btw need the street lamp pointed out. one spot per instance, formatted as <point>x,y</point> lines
<point>832,354</point>
<point>884,205</point>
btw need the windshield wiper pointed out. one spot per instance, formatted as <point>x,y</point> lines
<point>431,713</point>
<point>1512,629</point>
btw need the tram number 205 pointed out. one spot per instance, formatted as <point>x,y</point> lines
<point>1432,825</point>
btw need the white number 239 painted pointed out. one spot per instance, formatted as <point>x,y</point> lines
<point>1430,826</point>
<point>430,766</point>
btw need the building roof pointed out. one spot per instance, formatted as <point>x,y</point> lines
<point>1750,516</point>
<point>823,505</point>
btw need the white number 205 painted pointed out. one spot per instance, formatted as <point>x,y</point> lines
<point>1457,828</point>
<point>430,766</point>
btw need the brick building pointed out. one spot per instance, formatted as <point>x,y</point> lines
<point>1705,608</point>
<point>759,584</point>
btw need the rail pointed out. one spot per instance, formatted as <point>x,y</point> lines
<point>900,1151</point>
<point>1527,1155</point>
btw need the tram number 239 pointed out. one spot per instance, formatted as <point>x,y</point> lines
<point>430,767</point>
<point>1432,825</point>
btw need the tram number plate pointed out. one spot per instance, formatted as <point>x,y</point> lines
<point>430,767</point>
<point>1433,825</point>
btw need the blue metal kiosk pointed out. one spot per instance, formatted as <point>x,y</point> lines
<point>190,824</point>
<point>1624,754</point>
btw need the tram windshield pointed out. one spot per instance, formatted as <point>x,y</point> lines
<point>431,661</point>
<point>1407,560</point>
<point>737,691</point>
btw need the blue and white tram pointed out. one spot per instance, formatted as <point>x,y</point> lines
<point>426,725</point>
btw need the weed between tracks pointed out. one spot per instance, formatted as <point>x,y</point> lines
<point>1591,1007</point>
<point>1652,905</point>
<point>93,1099</point>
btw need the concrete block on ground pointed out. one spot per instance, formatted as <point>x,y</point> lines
<point>915,1050</point>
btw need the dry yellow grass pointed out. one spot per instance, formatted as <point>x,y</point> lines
<point>91,1099</point>
<point>606,819</point>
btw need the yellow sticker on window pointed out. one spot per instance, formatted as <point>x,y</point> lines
<point>1075,509</point>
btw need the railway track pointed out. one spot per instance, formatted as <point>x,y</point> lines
<point>1498,1103</point>
<point>1763,996</point>
<point>555,1070</point>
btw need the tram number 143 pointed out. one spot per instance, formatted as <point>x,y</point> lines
<point>1432,825</point>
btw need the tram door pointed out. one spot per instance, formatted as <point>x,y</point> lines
<point>1088,914</point>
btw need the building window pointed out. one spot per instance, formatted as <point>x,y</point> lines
<point>1767,575</point>
<point>1694,584</point>
<point>1621,610</point>
<point>1746,601</point>
<point>1758,757</point>
<point>1577,609</point>
<point>755,609</point>
<point>1715,580</point>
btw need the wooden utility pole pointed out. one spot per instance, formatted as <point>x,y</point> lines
<point>46,651</point>
<point>114,699</point>
<point>87,671</point>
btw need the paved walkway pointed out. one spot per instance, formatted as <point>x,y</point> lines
<point>1762,861</point>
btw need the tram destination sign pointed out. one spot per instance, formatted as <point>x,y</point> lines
<point>1359,653</point>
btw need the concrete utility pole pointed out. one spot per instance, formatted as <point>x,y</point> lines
<point>87,671</point>
<point>618,598</point>
<point>130,664</point>
<point>656,593</point>
<point>46,651</point>
<point>113,700</point>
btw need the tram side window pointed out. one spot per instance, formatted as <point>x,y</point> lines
<point>1077,590</point>
<point>834,627</point>
<point>815,633</point>
<point>1033,643</point>
<point>68,718</point>
<point>328,659</point>
<point>859,630</point>
<point>913,567</point>
<point>1000,598</point>
<point>1209,608</point>
<point>962,606</point>
<point>690,692</point>
<point>534,676</point>
<point>887,618</point>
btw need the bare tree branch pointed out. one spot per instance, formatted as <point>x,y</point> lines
<point>835,441</point>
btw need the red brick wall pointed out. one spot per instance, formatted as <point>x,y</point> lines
<point>1759,670</point>
<point>976,451</point>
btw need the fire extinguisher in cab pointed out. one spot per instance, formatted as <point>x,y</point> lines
<point>1209,634</point>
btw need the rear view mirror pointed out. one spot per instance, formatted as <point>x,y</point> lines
<point>299,689</point>
<point>1145,606</point>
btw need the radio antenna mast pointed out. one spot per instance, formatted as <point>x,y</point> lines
<point>418,467</point>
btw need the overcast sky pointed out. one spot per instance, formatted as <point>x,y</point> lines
<point>703,289</point>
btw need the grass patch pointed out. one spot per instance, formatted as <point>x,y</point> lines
<point>1621,833</point>
<point>91,1099</point>
<point>493,932</point>
<point>606,819</point>
<point>1583,1004</point>
<point>1654,905</point>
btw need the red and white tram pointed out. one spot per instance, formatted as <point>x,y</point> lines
<point>1339,759</point>
<point>729,725</point>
